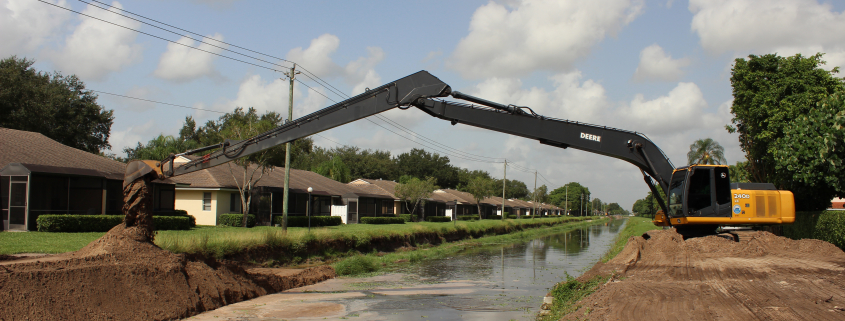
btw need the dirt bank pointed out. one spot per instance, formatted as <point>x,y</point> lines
<point>759,277</point>
<point>121,276</point>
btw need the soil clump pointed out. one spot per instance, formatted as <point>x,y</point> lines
<point>745,276</point>
<point>123,276</point>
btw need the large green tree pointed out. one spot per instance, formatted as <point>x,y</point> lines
<point>574,191</point>
<point>420,163</point>
<point>811,152</point>
<point>415,191</point>
<point>514,189</point>
<point>334,169</point>
<point>706,151</point>
<point>54,105</point>
<point>770,94</point>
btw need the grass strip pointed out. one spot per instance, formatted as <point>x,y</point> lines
<point>567,294</point>
<point>374,263</point>
<point>44,242</point>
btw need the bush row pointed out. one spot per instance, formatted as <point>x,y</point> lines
<point>438,219</point>
<point>236,220</point>
<point>103,223</point>
<point>382,220</point>
<point>407,217</point>
<point>827,226</point>
<point>302,221</point>
<point>473,217</point>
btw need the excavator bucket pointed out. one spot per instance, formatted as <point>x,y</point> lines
<point>137,169</point>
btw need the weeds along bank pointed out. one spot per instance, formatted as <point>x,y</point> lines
<point>380,261</point>
<point>567,294</point>
<point>272,246</point>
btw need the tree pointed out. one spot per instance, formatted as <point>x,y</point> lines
<point>514,189</point>
<point>596,205</point>
<point>465,175</point>
<point>739,172</point>
<point>159,148</point>
<point>480,187</point>
<point>419,163</point>
<point>559,197</point>
<point>54,105</point>
<point>770,93</point>
<point>615,209</point>
<point>812,151</point>
<point>415,190</point>
<point>706,151</point>
<point>647,206</point>
<point>335,169</point>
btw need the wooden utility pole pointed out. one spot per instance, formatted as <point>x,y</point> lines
<point>504,183</point>
<point>292,76</point>
<point>535,196</point>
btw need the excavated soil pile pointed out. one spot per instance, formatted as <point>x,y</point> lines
<point>121,276</point>
<point>759,277</point>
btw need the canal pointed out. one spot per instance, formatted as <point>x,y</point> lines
<point>497,282</point>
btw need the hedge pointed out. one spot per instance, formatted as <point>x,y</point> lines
<point>438,219</point>
<point>236,220</point>
<point>302,221</point>
<point>407,217</point>
<point>103,223</point>
<point>827,226</point>
<point>474,217</point>
<point>382,220</point>
<point>170,213</point>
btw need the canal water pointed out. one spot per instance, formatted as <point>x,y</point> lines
<point>497,282</point>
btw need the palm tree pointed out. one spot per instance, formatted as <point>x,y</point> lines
<point>706,151</point>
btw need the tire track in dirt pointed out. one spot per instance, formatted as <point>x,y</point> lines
<point>660,276</point>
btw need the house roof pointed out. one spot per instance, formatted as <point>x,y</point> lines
<point>383,188</point>
<point>300,180</point>
<point>38,153</point>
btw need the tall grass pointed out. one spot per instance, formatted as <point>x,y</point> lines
<point>636,226</point>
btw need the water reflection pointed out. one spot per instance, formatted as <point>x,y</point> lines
<point>516,276</point>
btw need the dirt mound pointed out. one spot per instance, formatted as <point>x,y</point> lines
<point>760,276</point>
<point>121,276</point>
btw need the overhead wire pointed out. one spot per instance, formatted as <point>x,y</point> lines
<point>440,147</point>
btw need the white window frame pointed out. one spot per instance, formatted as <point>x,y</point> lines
<point>206,201</point>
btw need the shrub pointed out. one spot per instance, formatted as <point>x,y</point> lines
<point>302,221</point>
<point>357,264</point>
<point>438,219</point>
<point>827,226</point>
<point>236,220</point>
<point>510,216</point>
<point>382,220</point>
<point>170,213</point>
<point>103,223</point>
<point>407,217</point>
<point>474,217</point>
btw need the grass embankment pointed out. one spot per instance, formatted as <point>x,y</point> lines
<point>272,246</point>
<point>567,294</point>
<point>377,262</point>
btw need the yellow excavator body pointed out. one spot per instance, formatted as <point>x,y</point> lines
<point>748,207</point>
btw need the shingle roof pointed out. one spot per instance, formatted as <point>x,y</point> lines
<point>47,155</point>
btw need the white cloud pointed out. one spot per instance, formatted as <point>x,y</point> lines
<point>273,96</point>
<point>682,109</point>
<point>317,59</point>
<point>519,38</point>
<point>96,48</point>
<point>655,64</point>
<point>26,25</point>
<point>131,136</point>
<point>783,26</point>
<point>181,63</point>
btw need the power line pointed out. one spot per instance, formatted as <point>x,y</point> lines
<point>157,102</point>
<point>154,36</point>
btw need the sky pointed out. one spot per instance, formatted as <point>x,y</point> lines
<point>661,68</point>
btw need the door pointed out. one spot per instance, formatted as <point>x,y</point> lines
<point>17,202</point>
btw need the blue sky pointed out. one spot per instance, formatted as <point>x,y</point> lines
<point>657,67</point>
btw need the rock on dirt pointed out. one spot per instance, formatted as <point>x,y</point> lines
<point>661,276</point>
<point>121,276</point>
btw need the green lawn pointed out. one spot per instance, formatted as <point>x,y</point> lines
<point>219,241</point>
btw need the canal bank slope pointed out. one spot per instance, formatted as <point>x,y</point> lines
<point>759,276</point>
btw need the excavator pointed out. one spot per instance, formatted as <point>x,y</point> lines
<point>700,197</point>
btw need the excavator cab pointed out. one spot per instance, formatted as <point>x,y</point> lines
<point>702,197</point>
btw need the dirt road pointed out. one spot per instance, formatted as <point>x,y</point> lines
<point>760,277</point>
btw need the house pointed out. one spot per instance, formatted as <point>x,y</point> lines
<point>432,206</point>
<point>837,204</point>
<point>41,176</point>
<point>208,193</point>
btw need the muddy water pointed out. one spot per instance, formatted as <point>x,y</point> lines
<point>500,282</point>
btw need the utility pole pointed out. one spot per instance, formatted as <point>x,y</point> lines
<point>535,195</point>
<point>292,76</point>
<point>567,199</point>
<point>504,183</point>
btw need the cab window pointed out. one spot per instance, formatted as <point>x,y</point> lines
<point>723,185</point>
<point>699,190</point>
<point>676,194</point>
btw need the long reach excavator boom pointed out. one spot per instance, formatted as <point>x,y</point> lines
<point>698,195</point>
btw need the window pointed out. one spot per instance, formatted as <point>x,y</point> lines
<point>206,201</point>
<point>723,185</point>
<point>235,203</point>
<point>676,194</point>
<point>698,197</point>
